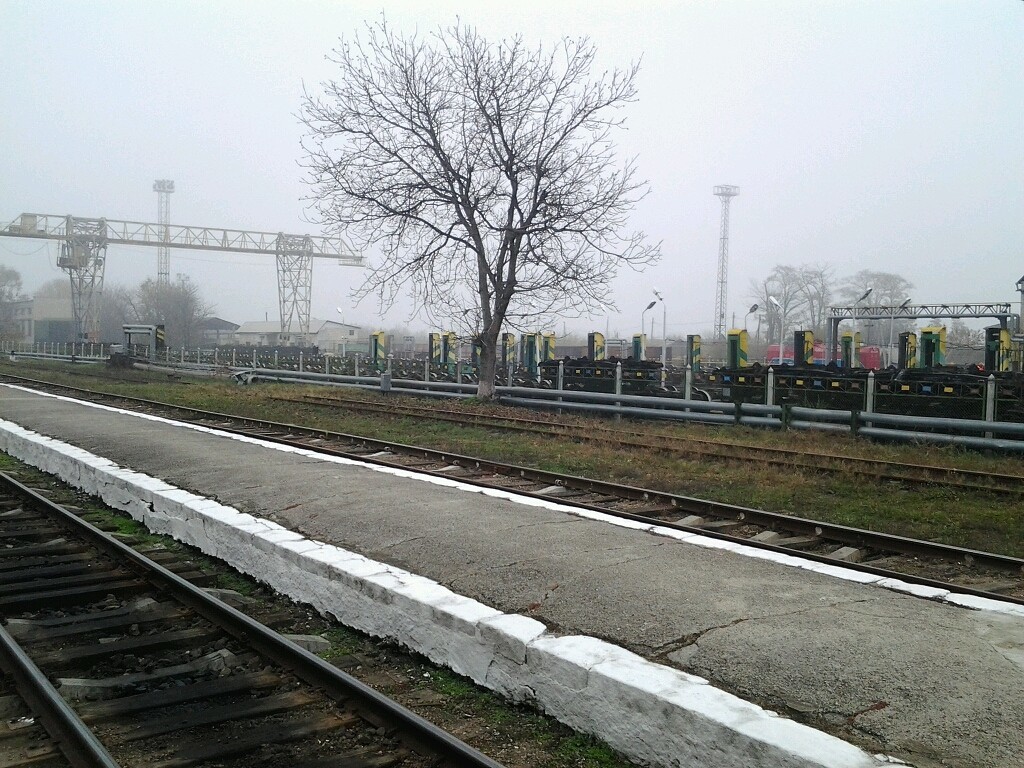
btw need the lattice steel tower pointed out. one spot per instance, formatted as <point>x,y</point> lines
<point>725,192</point>
<point>163,189</point>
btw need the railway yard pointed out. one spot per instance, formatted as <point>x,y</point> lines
<point>601,571</point>
<point>427,433</point>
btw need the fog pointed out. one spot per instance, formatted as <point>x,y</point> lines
<point>865,135</point>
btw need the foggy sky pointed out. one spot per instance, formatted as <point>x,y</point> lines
<point>866,135</point>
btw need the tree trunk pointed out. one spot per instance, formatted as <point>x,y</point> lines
<point>488,364</point>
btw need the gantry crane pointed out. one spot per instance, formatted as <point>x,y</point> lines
<point>84,250</point>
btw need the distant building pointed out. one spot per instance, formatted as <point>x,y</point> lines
<point>339,338</point>
<point>44,319</point>
<point>216,331</point>
<point>328,335</point>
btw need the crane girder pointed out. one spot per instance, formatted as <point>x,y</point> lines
<point>84,243</point>
<point>58,227</point>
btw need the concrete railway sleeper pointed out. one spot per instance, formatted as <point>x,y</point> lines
<point>148,669</point>
<point>931,564</point>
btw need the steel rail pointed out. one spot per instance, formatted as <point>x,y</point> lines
<point>305,665</point>
<point>73,737</point>
<point>846,535</point>
<point>976,480</point>
<point>286,434</point>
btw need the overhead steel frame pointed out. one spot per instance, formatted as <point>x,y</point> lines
<point>83,255</point>
<point>85,243</point>
<point>1000,311</point>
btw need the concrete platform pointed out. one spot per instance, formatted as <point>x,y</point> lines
<point>928,682</point>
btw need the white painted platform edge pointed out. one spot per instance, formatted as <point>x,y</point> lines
<point>794,561</point>
<point>650,712</point>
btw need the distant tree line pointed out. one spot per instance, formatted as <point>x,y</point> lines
<point>804,293</point>
<point>178,306</point>
<point>10,291</point>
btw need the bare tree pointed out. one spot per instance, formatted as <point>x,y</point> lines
<point>10,291</point>
<point>178,306</point>
<point>485,172</point>
<point>803,293</point>
<point>10,284</point>
<point>964,344</point>
<point>887,289</point>
<point>117,307</point>
<point>816,289</point>
<point>57,288</point>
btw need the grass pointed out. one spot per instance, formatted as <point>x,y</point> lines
<point>344,642</point>
<point>587,751</point>
<point>567,749</point>
<point>979,520</point>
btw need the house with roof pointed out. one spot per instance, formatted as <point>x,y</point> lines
<point>216,331</point>
<point>328,335</point>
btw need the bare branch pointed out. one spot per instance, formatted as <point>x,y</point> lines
<point>484,172</point>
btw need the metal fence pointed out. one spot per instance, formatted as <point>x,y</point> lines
<point>82,352</point>
<point>761,399</point>
<point>936,394</point>
<point>986,433</point>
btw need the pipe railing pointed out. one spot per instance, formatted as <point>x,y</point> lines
<point>986,434</point>
<point>868,424</point>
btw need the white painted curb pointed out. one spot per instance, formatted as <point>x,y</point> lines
<point>652,713</point>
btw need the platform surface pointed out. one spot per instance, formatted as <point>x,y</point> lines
<point>931,683</point>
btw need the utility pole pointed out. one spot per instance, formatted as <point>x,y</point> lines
<point>726,193</point>
<point>163,189</point>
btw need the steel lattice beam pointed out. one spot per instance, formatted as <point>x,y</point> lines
<point>1000,311</point>
<point>84,246</point>
<point>52,227</point>
<point>915,311</point>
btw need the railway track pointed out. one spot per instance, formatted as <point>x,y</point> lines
<point>33,730</point>
<point>928,563</point>
<point>788,458</point>
<point>150,671</point>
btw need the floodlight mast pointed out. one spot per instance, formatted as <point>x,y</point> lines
<point>752,310</point>
<point>163,189</point>
<point>726,192</point>
<point>643,316</point>
<point>664,336</point>
<point>782,323</point>
<point>854,354</point>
